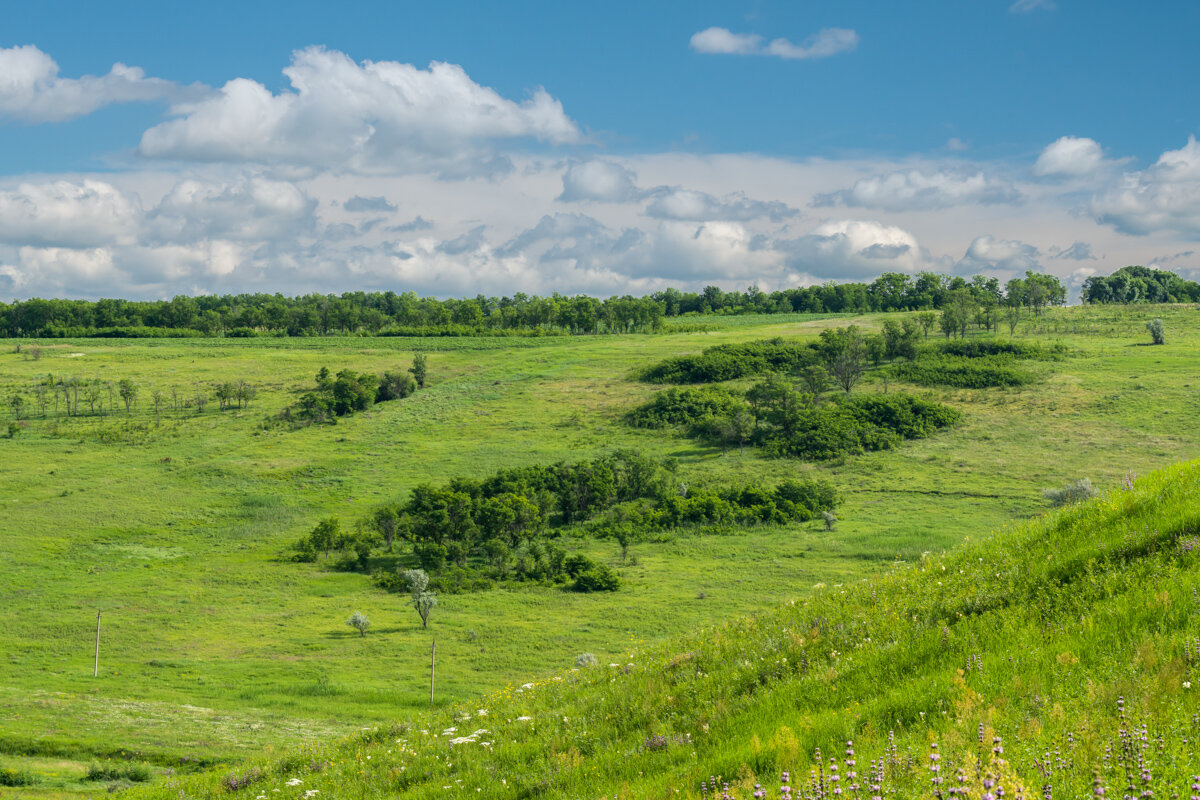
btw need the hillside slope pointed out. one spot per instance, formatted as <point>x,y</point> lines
<point>1073,638</point>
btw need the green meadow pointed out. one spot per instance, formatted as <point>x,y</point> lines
<point>217,649</point>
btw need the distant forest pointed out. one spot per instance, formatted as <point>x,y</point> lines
<point>406,314</point>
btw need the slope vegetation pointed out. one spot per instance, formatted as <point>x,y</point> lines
<point>1058,653</point>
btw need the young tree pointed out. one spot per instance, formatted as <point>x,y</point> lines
<point>845,355</point>
<point>1012,315</point>
<point>418,370</point>
<point>815,380</point>
<point>1157,332</point>
<point>926,320</point>
<point>17,404</point>
<point>129,392</point>
<point>325,535</point>
<point>418,589</point>
<point>359,623</point>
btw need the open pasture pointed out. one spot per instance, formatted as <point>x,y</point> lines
<point>175,524</point>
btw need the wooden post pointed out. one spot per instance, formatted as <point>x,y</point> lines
<point>96,664</point>
<point>432,666</point>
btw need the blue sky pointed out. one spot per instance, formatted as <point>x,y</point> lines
<point>608,148</point>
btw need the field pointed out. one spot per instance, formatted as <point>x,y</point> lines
<point>215,647</point>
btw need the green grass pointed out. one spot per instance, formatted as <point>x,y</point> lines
<point>1052,637</point>
<point>215,647</point>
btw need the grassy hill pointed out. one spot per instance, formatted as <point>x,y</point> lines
<point>216,648</point>
<point>1060,652</point>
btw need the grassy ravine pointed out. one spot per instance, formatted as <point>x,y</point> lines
<point>217,649</point>
<point>1033,636</point>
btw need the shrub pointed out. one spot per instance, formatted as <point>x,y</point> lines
<point>135,773</point>
<point>1074,492</point>
<point>1157,332</point>
<point>10,776</point>
<point>600,578</point>
<point>978,372</point>
<point>235,781</point>
<point>982,348</point>
<point>584,660</point>
<point>730,361</point>
<point>359,623</point>
<point>686,406</point>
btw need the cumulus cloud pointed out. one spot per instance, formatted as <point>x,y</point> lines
<point>1070,156</point>
<point>358,204</point>
<point>67,214</point>
<point>826,42</point>
<point>384,117</point>
<point>1163,197</point>
<point>32,91</point>
<point>916,190</point>
<point>248,209</point>
<point>599,181</point>
<point>989,254</point>
<point>683,204</point>
<point>853,250</point>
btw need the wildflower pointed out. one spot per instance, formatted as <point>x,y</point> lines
<point>524,719</point>
<point>312,792</point>
<point>1187,684</point>
<point>294,782</point>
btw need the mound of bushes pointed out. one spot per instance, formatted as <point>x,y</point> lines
<point>730,361</point>
<point>13,777</point>
<point>113,771</point>
<point>686,405</point>
<point>470,533</point>
<point>963,372</point>
<point>789,423</point>
<point>982,348</point>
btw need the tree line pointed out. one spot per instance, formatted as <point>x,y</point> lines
<point>1137,284</point>
<point>392,313</point>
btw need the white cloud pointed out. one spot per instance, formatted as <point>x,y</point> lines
<point>722,40</point>
<point>601,181</point>
<point>32,91</point>
<point>988,254</point>
<point>248,209</point>
<point>374,117</point>
<point>826,42</point>
<point>956,145</point>
<point>917,190</point>
<point>684,204</point>
<point>1070,156</point>
<point>67,214</point>
<point>1026,6</point>
<point>853,250</point>
<point>1163,197</point>
<point>64,272</point>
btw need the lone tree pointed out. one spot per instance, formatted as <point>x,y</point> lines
<point>418,370</point>
<point>845,355</point>
<point>1157,333</point>
<point>418,589</point>
<point>359,623</point>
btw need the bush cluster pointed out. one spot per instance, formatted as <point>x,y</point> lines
<point>347,392</point>
<point>469,533</point>
<point>963,372</point>
<point>730,361</point>
<point>774,415</point>
<point>113,771</point>
<point>982,348</point>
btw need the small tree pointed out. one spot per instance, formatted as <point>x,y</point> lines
<point>845,355</point>
<point>1157,332</point>
<point>17,404</point>
<point>359,623</point>
<point>325,535</point>
<point>815,380</point>
<point>418,589</point>
<point>830,520</point>
<point>129,392</point>
<point>1012,315</point>
<point>926,319</point>
<point>418,370</point>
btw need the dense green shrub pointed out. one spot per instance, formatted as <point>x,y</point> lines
<point>730,361</point>
<point>10,776</point>
<point>599,578</point>
<point>1074,492</point>
<point>1157,331</point>
<point>981,348</point>
<point>113,771</point>
<point>686,406</point>
<point>980,372</point>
